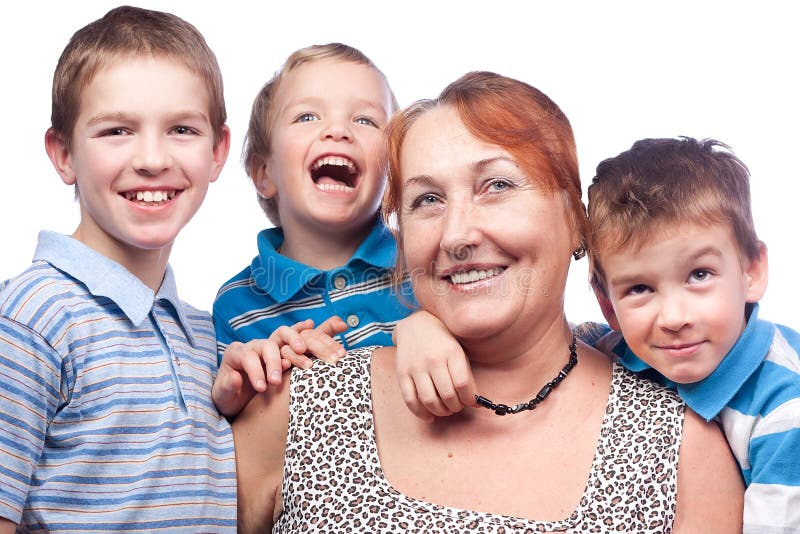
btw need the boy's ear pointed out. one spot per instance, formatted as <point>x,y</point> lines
<point>608,310</point>
<point>264,184</point>
<point>59,154</point>
<point>221,152</point>
<point>757,274</point>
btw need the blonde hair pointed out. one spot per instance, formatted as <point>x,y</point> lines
<point>258,140</point>
<point>131,31</point>
<point>661,183</point>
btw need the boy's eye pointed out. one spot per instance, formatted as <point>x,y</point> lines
<point>699,275</point>
<point>115,131</point>
<point>182,130</point>
<point>638,289</point>
<point>306,117</point>
<point>366,121</point>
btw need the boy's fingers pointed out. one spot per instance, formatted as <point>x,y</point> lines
<point>409,393</point>
<point>271,357</point>
<point>323,346</point>
<point>286,335</point>
<point>332,325</point>
<point>291,358</point>
<point>463,381</point>
<point>303,325</point>
<point>445,390</point>
<point>428,396</point>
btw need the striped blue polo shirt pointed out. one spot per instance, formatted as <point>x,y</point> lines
<point>755,395</point>
<point>275,291</point>
<point>106,416</point>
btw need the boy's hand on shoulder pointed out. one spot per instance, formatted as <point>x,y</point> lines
<point>247,368</point>
<point>434,374</point>
<point>319,343</point>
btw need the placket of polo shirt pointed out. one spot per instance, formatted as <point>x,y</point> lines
<point>164,323</point>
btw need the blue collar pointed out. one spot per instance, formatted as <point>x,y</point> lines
<point>282,278</point>
<point>104,277</point>
<point>709,396</point>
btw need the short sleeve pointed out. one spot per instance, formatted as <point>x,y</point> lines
<point>30,393</point>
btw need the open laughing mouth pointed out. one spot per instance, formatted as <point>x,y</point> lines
<point>334,173</point>
<point>150,198</point>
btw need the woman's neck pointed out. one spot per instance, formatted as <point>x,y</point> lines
<point>511,369</point>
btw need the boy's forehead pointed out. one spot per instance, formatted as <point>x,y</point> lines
<point>133,65</point>
<point>328,80</point>
<point>691,236</point>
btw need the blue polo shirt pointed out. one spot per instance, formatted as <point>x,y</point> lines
<point>274,291</point>
<point>755,395</point>
<point>105,402</point>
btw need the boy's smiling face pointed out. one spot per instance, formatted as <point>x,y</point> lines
<point>324,166</point>
<point>142,156</point>
<point>679,300</point>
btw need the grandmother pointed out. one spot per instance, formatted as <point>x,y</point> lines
<point>483,182</point>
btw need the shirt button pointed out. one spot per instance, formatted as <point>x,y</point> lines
<point>352,321</point>
<point>340,282</point>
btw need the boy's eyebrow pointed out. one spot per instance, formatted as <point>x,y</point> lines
<point>121,116</point>
<point>316,100</point>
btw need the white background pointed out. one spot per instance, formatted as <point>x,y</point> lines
<point>619,70</point>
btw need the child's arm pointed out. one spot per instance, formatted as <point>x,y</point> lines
<point>772,498</point>
<point>262,361</point>
<point>433,371</point>
<point>7,527</point>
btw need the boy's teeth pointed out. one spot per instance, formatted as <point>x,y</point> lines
<point>334,187</point>
<point>474,275</point>
<point>150,196</point>
<point>334,160</point>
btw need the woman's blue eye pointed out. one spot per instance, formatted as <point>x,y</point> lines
<point>424,200</point>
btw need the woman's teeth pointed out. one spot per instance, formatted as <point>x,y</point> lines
<point>474,275</point>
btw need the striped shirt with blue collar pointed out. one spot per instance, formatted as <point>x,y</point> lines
<point>105,402</point>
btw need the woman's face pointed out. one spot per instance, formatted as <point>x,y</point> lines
<point>487,247</point>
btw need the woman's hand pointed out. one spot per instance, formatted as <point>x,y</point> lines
<point>247,368</point>
<point>432,369</point>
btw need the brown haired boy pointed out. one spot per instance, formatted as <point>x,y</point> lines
<point>105,374</point>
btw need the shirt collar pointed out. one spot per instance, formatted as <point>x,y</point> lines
<point>104,277</point>
<point>708,397</point>
<point>282,278</point>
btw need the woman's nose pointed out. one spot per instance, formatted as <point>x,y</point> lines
<point>460,231</point>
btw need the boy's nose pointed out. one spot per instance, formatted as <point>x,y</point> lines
<point>675,313</point>
<point>337,131</point>
<point>151,156</point>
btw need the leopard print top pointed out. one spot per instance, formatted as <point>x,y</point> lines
<point>333,481</point>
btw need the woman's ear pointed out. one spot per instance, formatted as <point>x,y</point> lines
<point>608,309</point>
<point>58,153</point>
<point>756,275</point>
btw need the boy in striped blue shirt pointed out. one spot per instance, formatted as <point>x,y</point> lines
<point>105,374</point>
<point>678,271</point>
<point>314,153</point>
